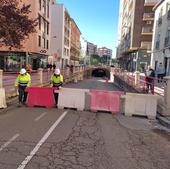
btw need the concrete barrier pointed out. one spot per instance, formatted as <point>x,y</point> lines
<point>102,100</point>
<point>2,98</point>
<point>72,98</point>
<point>140,104</point>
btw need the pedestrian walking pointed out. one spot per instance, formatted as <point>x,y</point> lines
<point>22,82</point>
<point>56,82</point>
<point>160,72</point>
<point>149,79</point>
<point>54,66</point>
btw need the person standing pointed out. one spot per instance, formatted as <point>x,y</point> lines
<point>160,72</point>
<point>56,81</point>
<point>149,78</point>
<point>22,82</point>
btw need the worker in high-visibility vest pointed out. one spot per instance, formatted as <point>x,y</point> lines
<point>22,82</point>
<point>56,82</point>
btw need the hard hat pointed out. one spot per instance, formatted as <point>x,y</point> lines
<point>57,71</point>
<point>22,71</point>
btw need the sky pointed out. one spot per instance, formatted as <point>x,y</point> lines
<point>96,19</point>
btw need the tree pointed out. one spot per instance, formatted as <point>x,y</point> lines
<point>95,59</point>
<point>105,59</point>
<point>15,24</point>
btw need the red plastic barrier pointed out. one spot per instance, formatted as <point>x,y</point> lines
<point>40,96</point>
<point>105,101</point>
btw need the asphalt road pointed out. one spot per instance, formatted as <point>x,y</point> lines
<point>40,138</point>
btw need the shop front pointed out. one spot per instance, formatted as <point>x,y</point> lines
<point>14,61</point>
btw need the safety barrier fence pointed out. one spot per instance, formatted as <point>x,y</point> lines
<point>138,81</point>
<point>40,77</point>
<point>160,88</point>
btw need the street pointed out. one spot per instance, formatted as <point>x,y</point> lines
<point>40,138</point>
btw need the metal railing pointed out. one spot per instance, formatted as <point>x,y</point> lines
<point>139,82</point>
<point>38,78</point>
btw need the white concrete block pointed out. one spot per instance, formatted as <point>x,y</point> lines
<point>141,104</point>
<point>2,98</point>
<point>72,98</point>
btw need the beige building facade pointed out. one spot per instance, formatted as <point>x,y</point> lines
<point>75,44</point>
<point>136,20</point>
<point>36,47</point>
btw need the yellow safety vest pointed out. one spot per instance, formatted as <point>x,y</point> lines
<point>56,80</point>
<point>23,80</point>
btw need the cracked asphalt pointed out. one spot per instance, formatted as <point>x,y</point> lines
<point>82,140</point>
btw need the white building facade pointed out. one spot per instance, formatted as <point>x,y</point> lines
<point>161,36</point>
<point>60,35</point>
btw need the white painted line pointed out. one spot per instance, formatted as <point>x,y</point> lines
<point>39,144</point>
<point>41,116</point>
<point>9,142</point>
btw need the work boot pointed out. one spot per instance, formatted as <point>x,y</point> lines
<point>19,104</point>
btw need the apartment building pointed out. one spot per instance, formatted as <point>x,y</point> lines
<point>161,36</point>
<point>103,51</point>
<point>75,44</point>
<point>135,33</point>
<point>83,46</point>
<point>35,48</point>
<point>91,49</point>
<point>61,34</point>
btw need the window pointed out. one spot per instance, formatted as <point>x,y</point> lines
<point>44,6</point>
<point>39,21</point>
<point>47,28</point>
<point>48,8</point>
<point>148,22</point>
<point>168,33</point>
<point>161,13</point>
<point>168,10</point>
<point>167,38</point>
<point>158,40</point>
<point>44,25</point>
<point>65,51</point>
<point>39,41</point>
<point>44,42</point>
<point>168,6</point>
<point>47,44</point>
<point>40,5</point>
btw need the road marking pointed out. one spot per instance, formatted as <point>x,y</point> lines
<point>9,142</point>
<point>41,116</point>
<point>39,144</point>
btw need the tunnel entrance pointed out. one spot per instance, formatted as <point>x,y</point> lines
<point>100,73</point>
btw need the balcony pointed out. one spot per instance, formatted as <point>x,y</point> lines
<point>148,16</point>
<point>150,2</point>
<point>167,42</point>
<point>157,45</point>
<point>147,31</point>
<point>146,45</point>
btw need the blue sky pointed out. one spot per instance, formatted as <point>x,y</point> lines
<point>96,19</point>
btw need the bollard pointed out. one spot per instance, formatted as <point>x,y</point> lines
<point>125,75</point>
<point>40,72</point>
<point>137,78</point>
<point>1,78</point>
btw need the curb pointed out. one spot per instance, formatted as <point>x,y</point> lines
<point>163,120</point>
<point>11,104</point>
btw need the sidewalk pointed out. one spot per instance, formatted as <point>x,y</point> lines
<point>165,121</point>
